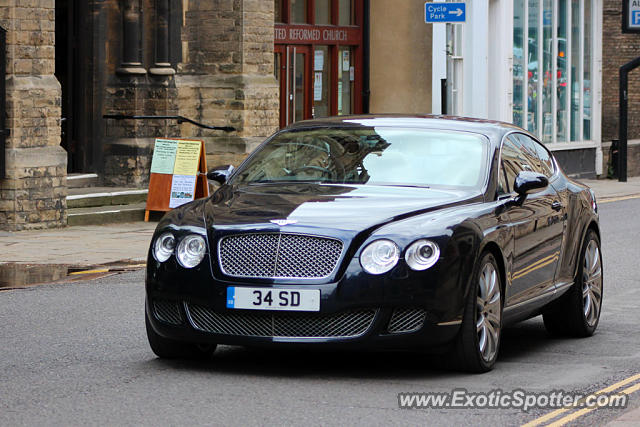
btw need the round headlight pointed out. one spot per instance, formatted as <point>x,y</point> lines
<point>422,254</point>
<point>164,247</point>
<point>191,250</point>
<point>379,256</point>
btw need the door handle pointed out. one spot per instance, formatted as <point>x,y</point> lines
<point>556,206</point>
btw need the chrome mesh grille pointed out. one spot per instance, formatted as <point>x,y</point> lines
<point>347,324</point>
<point>406,320</point>
<point>274,255</point>
<point>168,312</point>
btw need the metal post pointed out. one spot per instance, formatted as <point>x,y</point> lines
<point>622,133</point>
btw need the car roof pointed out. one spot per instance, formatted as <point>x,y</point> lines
<point>492,129</point>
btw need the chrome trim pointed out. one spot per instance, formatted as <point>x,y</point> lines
<point>562,286</point>
<point>530,300</point>
<point>280,233</point>
<point>450,323</point>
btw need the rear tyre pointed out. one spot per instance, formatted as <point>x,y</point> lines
<point>477,344</point>
<point>577,313</point>
<point>166,348</point>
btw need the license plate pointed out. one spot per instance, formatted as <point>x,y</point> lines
<point>273,299</point>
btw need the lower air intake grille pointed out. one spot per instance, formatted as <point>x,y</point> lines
<point>168,312</point>
<point>286,325</point>
<point>406,320</point>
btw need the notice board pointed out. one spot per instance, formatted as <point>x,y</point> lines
<point>178,174</point>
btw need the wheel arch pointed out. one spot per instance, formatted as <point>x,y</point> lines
<point>592,224</point>
<point>495,250</point>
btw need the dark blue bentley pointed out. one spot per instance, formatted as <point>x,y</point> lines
<point>379,231</point>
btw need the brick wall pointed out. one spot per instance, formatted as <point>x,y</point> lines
<point>618,49</point>
<point>34,191</point>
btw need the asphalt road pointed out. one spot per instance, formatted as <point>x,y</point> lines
<point>77,354</point>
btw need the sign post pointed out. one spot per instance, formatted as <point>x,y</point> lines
<point>631,16</point>
<point>178,174</point>
<point>438,13</point>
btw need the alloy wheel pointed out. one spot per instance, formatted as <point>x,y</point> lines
<point>488,312</point>
<point>591,283</point>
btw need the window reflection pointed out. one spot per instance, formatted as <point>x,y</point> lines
<point>518,62</point>
<point>532,66</point>
<point>588,46</point>
<point>547,68</point>
<point>552,68</point>
<point>561,106</point>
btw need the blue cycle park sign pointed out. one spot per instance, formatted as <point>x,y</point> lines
<point>631,16</point>
<point>445,12</point>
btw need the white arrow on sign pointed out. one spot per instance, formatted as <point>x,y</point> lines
<point>458,12</point>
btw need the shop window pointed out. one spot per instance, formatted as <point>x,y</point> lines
<point>518,62</point>
<point>552,68</point>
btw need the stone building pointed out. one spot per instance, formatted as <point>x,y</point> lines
<point>258,65</point>
<point>71,62</point>
<point>251,64</point>
<point>33,190</point>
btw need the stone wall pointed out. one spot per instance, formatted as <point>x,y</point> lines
<point>224,76</point>
<point>33,195</point>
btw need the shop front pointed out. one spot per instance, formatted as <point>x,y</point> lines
<point>534,63</point>
<point>318,60</point>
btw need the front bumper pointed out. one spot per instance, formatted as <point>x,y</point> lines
<point>395,311</point>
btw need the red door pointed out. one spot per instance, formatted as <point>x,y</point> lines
<point>292,70</point>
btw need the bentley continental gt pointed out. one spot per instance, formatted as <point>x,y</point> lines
<point>391,232</point>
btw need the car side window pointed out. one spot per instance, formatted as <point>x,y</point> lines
<point>514,161</point>
<point>503,186</point>
<point>530,151</point>
<point>546,159</point>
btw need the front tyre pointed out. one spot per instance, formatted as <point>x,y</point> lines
<point>477,344</point>
<point>166,348</point>
<point>577,313</point>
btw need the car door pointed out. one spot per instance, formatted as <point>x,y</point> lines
<point>537,224</point>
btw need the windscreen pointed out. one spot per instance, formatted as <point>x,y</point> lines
<point>380,156</point>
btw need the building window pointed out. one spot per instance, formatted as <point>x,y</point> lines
<point>552,68</point>
<point>299,11</point>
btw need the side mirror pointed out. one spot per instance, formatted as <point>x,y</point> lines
<point>220,173</point>
<point>528,182</point>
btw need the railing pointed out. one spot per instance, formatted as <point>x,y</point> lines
<point>180,119</point>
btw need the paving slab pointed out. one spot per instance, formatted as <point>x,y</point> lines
<point>88,245</point>
<point>610,188</point>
